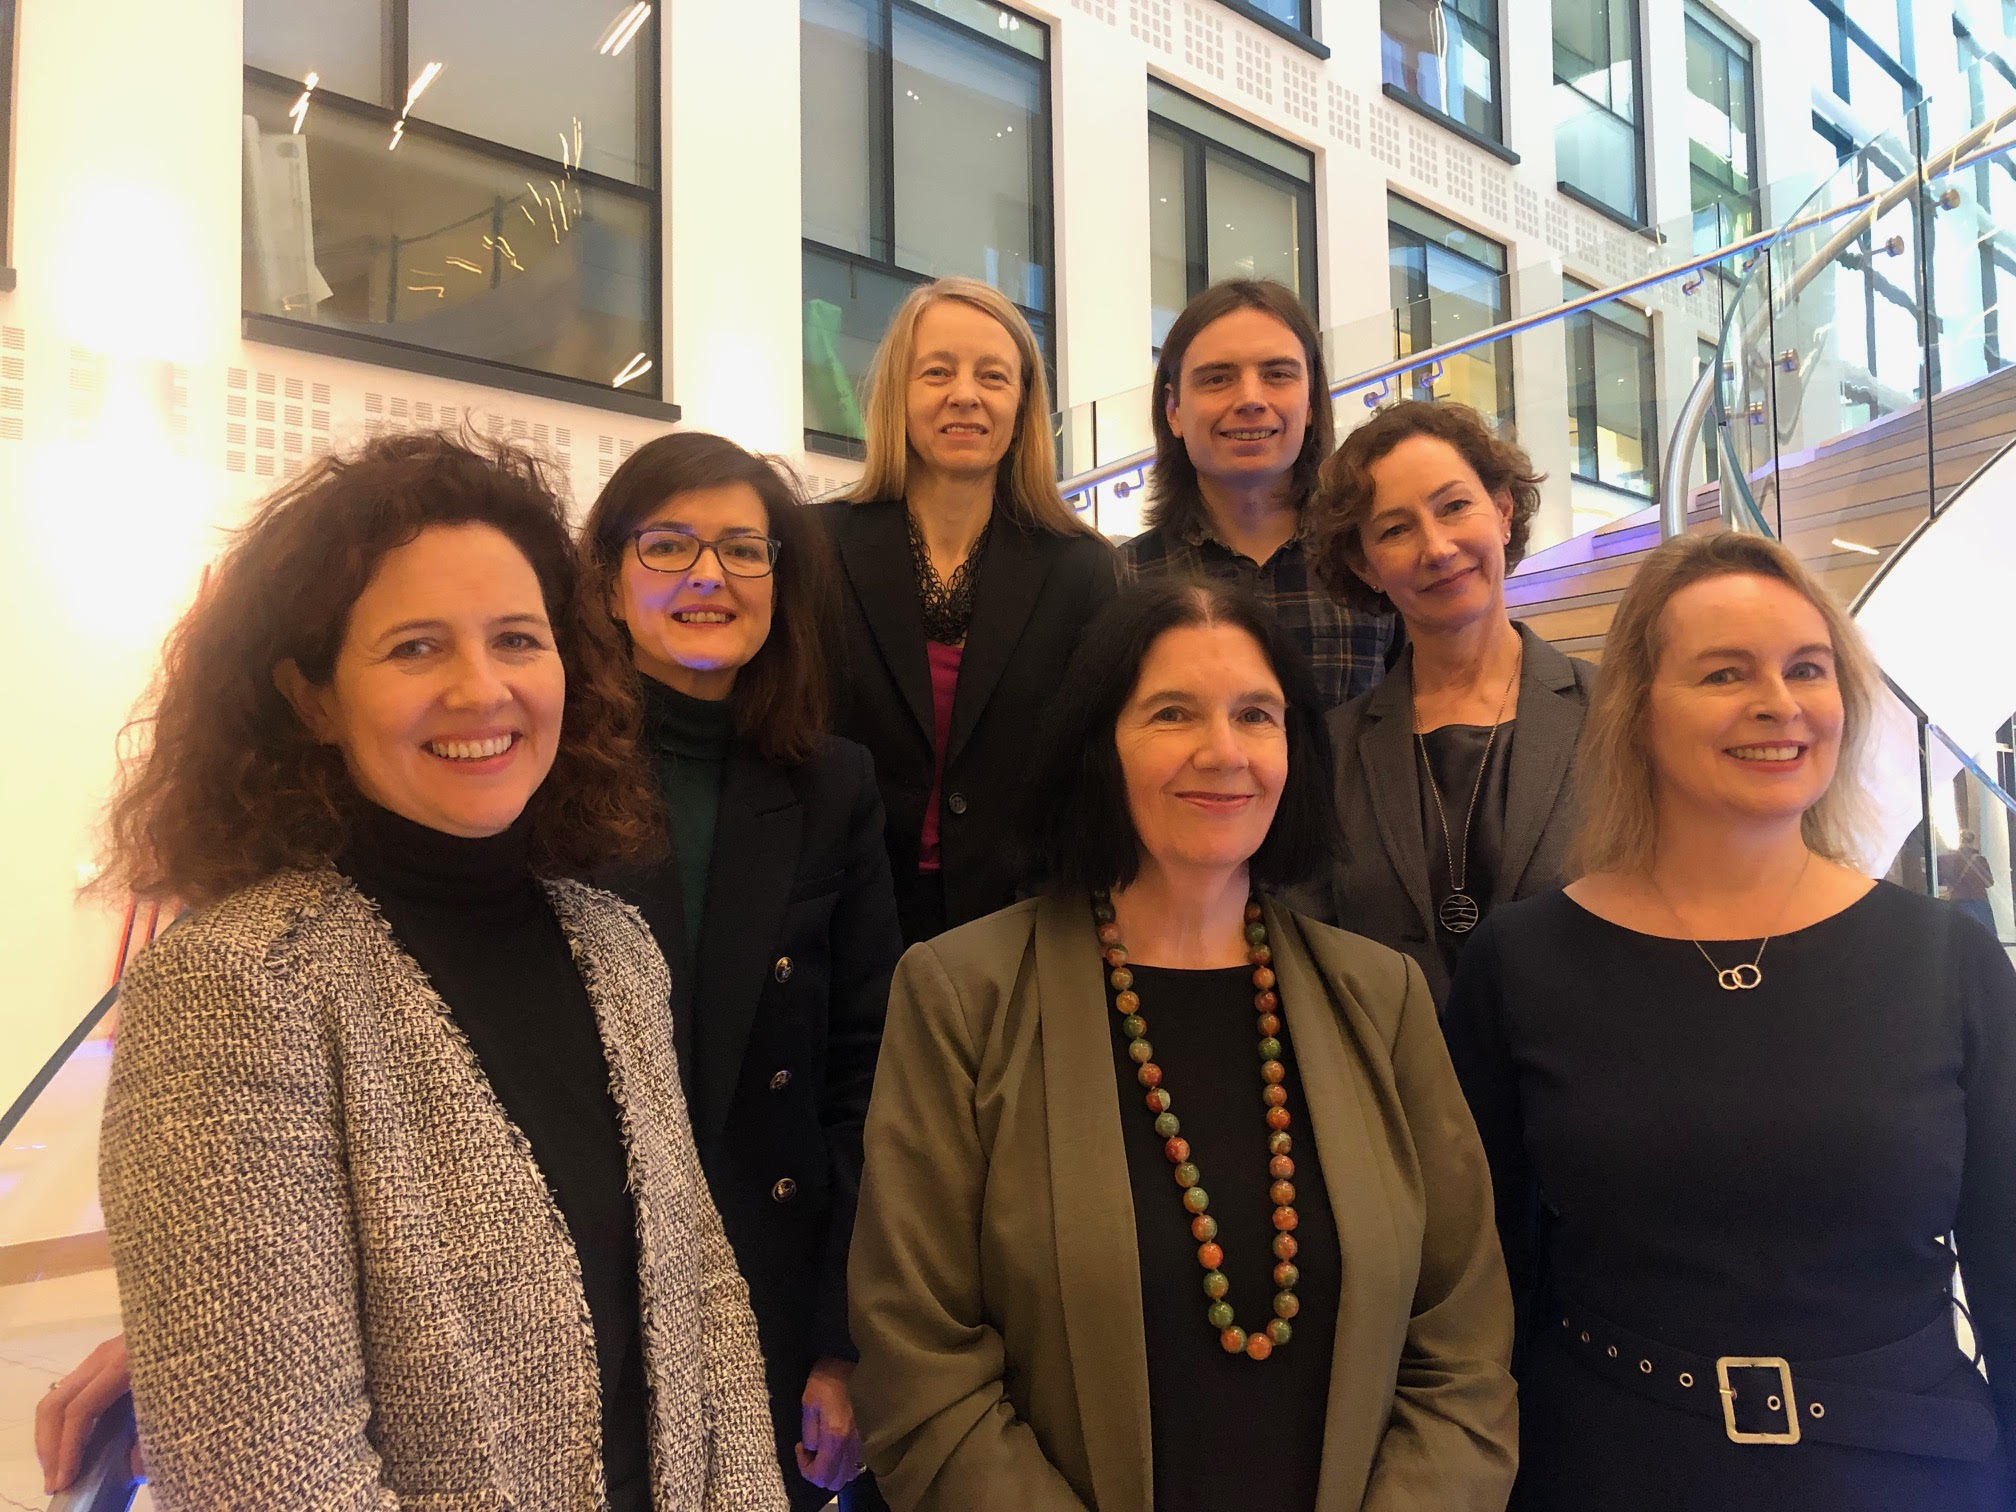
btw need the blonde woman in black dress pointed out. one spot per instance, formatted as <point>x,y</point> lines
<point>1738,1097</point>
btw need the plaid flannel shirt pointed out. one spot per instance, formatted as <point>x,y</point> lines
<point>1346,647</point>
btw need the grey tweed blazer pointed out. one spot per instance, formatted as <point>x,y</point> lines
<point>346,1284</point>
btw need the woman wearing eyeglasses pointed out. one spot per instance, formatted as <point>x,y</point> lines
<point>776,911</point>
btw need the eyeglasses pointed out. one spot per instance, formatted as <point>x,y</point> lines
<point>747,556</point>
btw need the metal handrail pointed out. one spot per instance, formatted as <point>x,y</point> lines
<point>1120,467</point>
<point>1963,153</point>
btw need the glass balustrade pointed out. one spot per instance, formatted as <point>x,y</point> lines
<point>1864,357</point>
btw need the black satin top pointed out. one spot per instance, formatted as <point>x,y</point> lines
<point>479,924</point>
<point>1454,754</point>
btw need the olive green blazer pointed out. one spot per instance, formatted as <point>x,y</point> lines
<point>994,1282</point>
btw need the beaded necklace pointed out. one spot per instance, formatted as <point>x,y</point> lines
<point>1259,1344</point>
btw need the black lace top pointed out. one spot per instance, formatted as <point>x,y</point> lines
<point>948,607</point>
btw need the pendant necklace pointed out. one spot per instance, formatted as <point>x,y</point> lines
<point>1459,912</point>
<point>1746,974</point>
<point>1261,1343</point>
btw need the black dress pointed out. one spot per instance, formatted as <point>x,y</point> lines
<point>1226,1431</point>
<point>1751,1173</point>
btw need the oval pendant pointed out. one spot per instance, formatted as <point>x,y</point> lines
<point>1458,913</point>
<point>1739,978</point>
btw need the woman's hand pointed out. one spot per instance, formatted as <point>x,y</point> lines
<point>829,1455</point>
<point>67,1413</point>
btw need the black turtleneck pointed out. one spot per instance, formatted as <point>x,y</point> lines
<point>688,740</point>
<point>478,923</point>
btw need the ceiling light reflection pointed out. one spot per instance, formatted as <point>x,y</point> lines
<point>635,368</point>
<point>622,29</point>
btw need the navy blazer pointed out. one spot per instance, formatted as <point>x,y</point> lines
<point>781,1004</point>
<point>1036,591</point>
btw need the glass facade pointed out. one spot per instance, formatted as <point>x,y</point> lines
<point>1293,13</point>
<point>1598,143</point>
<point>1721,131</point>
<point>1225,200</point>
<point>1444,53</point>
<point>1991,85</point>
<point>1613,415</point>
<point>402,196</point>
<point>1446,282</point>
<point>926,137</point>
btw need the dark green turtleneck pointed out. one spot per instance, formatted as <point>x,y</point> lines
<point>688,739</point>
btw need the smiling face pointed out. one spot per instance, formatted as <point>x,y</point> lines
<point>446,695</point>
<point>694,630</point>
<point>1203,745</point>
<point>1745,716</point>
<point>1434,539</point>
<point>1241,401</point>
<point>964,390</point>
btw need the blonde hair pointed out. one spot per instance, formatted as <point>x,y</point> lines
<point>1618,829</point>
<point>1028,473</point>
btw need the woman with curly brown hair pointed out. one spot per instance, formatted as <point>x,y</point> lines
<point>1454,775</point>
<point>396,1164</point>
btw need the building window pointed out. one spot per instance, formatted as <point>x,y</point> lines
<point>1613,417</point>
<point>1446,283</point>
<point>1598,146</point>
<point>926,155</point>
<point>6,144</point>
<point>1444,53</point>
<point>1295,15</point>
<point>402,182</point>
<point>1225,200</point>
<point>1721,132</point>
<point>1868,47</point>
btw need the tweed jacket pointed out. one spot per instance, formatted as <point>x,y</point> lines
<point>995,1280</point>
<point>345,1283</point>
<point>1379,885</point>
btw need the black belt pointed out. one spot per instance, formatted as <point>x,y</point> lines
<point>1872,1400</point>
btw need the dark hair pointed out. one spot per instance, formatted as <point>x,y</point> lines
<point>1344,492</point>
<point>1174,498</point>
<point>232,787</point>
<point>780,697</point>
<point>1079,833</point>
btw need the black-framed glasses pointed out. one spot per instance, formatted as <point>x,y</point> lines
<point>748,556</point>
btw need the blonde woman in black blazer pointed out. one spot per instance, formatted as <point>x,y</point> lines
<point>965,582</point>
<point>396,1166</point>
<point>1455,776</point>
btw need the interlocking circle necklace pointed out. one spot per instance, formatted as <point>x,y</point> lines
<point>1459,912</point>
<point>1747,974</point>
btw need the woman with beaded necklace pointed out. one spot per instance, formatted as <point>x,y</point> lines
<point>1314,1313</point>
<point>966,581</point>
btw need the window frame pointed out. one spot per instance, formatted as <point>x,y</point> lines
<point>1303,35</point>
<point>1440,114</point>
<point>649,398</point>
<point>1697,16</point>
<point>7,40</point>
<point>1409,384</point>
<point>882,187</point>
<point>1197,147</point>
<point>1580,327</point>
<point>1643,220</point>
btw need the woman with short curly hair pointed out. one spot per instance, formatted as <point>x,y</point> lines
<point>396,1164</point>
<point>1454,775</point>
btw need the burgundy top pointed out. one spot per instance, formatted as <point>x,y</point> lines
<point>944,682</point>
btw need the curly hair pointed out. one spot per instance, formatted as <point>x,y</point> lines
<point>1344,487</point>
<point>228,786</point>
<point>780,698</point>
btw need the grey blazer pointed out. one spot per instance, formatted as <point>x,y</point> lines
<point>345,1283</point>
<point>995,1282</point>
<point>1379,886</point>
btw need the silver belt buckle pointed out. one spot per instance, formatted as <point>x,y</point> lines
<point>1728,1363</point>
